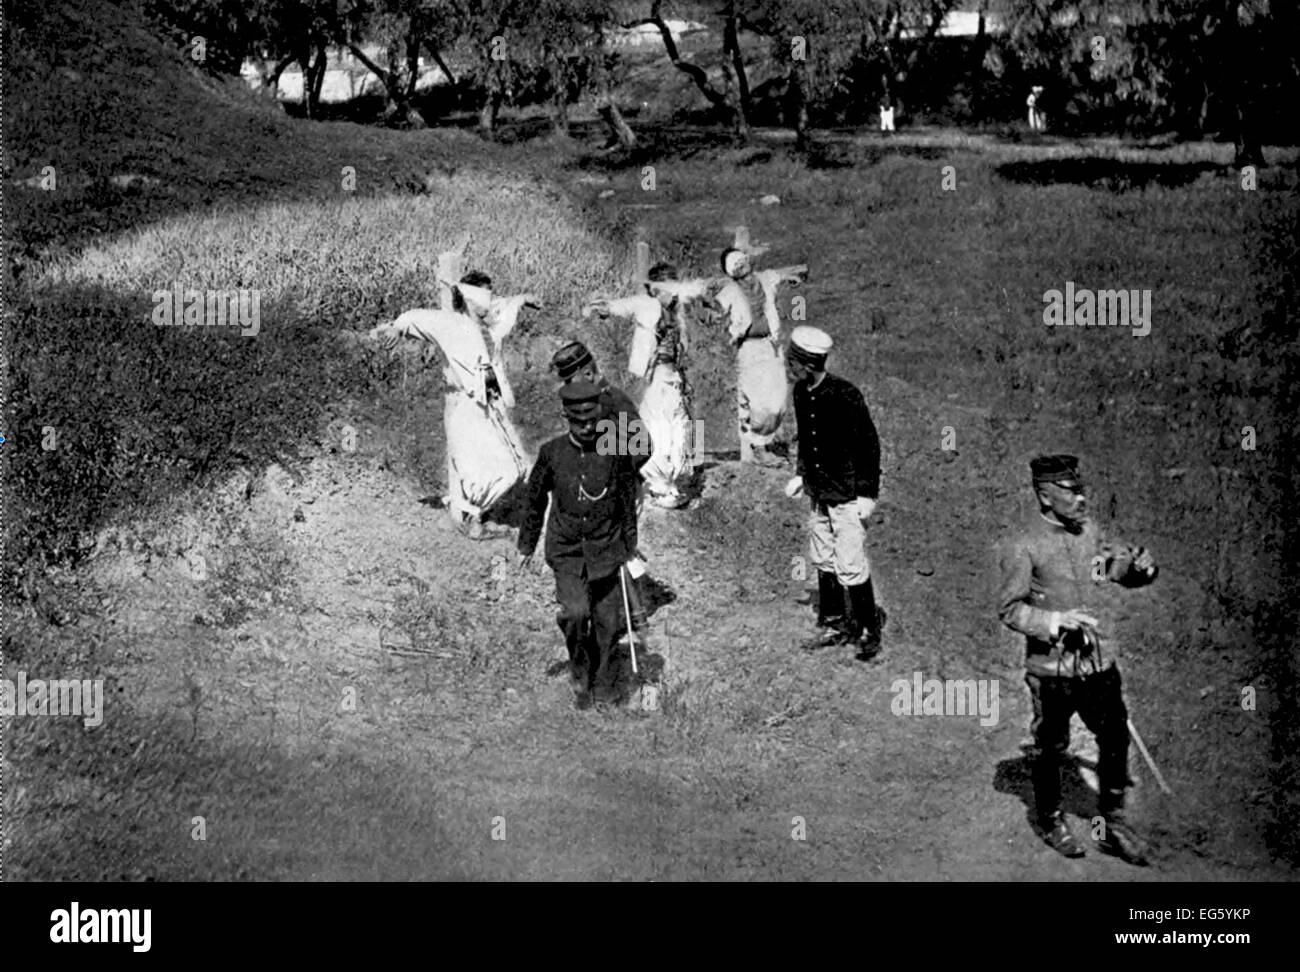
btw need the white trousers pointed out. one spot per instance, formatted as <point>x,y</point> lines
<point>838,543</point>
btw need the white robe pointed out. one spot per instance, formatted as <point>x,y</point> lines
<point>663,407</point>
<point>762,389</point>
<point>485,456</point>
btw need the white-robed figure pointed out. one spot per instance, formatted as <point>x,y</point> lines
<point>747,299</point>
<point>657,356</point>
<point>485,456</point>
<point>1037,117</point>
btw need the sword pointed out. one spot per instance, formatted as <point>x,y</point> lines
<point>627,613</point>
<point>1137,738</point>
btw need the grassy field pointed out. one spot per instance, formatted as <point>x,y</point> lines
<point>327,575</point>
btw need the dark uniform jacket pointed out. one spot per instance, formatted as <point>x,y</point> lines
<point>592,525</point>
<point>839,450</point>
<point>1046,568</point>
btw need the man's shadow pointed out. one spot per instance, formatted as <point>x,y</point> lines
<point>1014,776</point>
<point>650,664</point>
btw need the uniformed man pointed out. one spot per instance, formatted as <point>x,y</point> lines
<point>590,535</point>
<point>839,470</point>
<point>1056,574</point>
<point>574,362</point>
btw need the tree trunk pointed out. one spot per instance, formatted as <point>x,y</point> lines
<point>393,87</point>
<point>487,116</point>
<point>442,66</point>
<point>412,61</point>
<point>559,93</point>
<point>273,85</point>
<point>617,124</point>
<point>737,84</point>
<point>731,48</point>
<point>620,133</point>
<point>1237,58</point>
<point>797,105</point>
<point>982,44</point>
<point>692,71</point>
<point>303,57</point>
<point>318,81</point>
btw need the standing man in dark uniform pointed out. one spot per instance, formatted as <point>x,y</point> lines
<point>839,469</point>
<point>573,363</point>
<point>590,535</point>
<point>1055,591</point>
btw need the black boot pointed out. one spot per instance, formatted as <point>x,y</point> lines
<point>831,611</point>
<point>1117,837</point>
<point>868,620</point>
<point>1058,836</point>
<point>830,600</point>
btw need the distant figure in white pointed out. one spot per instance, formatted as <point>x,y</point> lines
<point>748,303</point>
<point>886,114</point>
<point>485,457</point>
<point>1037,117</point>
<point>660,344</point>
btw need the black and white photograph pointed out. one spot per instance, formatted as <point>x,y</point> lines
<point>645,441</point>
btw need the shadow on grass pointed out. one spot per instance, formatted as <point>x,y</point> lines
<point>1013,777</point>
<point>111,412</point>
<point>123,802</point>
<point>1100,173</point>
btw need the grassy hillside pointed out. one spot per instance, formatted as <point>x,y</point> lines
<point>209,188</point>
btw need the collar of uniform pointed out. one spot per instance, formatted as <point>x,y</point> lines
<point>821,386</point>
<point>579,446</point>
<point>1050,519</point>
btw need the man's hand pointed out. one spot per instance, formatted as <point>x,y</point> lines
<point>597,305</point>
<point>866,506</point>
<point>794,487</point>
<point>1070,620</point>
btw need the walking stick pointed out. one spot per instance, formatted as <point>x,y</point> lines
<point>627,613</point>
<point>1137,738</point>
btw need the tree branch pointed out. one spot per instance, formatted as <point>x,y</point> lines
<point>692,71</point>
<point>374,68</point>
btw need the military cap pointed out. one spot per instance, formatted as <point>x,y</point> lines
<point>809,346</point>
<point>581,399</point>
<point>570,358</point>
<point>1060,469</point>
